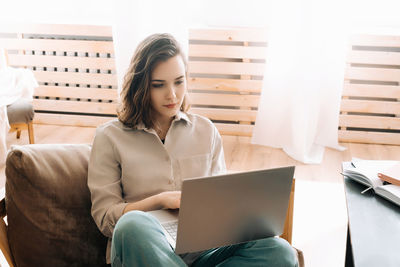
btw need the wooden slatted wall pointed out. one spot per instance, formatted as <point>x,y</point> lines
<point>370,107</point>
<point>75,68</point>
<point>226,67</point>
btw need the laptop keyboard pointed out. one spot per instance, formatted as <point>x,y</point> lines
<point>171,228</point>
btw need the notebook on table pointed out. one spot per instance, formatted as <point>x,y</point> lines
<point>368,172</point>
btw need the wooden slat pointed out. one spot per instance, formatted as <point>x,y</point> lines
<point>58,45</point>
<point>374,57</point>
<point>369,137</point>
<point>72,120</point>
<point>224,100</point>
<point>57,29</point>
<point>227,51</point>
<point>225,85</point>
<point>235,115</point>
<point>76,78</point>
<point>245,77</point>
<point>76,92</point>
<point>241,35</point>
<point>61,62</point>
<point>371,122</point>
<point>232,68</point>
<point>375,40</point>
<point>367,106</point>
<point>376,74</point>
<point>234,129</point>
<point>74,106</point>
<point>369,90</point>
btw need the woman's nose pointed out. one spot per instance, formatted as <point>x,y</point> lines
<point>171,92</point>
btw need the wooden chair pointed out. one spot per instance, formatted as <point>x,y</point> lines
<point>23,124</point>
<point>21,112</point>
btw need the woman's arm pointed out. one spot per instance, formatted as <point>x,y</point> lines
<point>164,200</point>
<point>104,182</point>
<point>218,160</point>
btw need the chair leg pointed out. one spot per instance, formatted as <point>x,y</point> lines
<point>18,134</point>
<point>30,132</point>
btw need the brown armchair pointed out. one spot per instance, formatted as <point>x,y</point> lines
<point>47,204</point>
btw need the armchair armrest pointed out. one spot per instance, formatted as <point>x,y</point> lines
<point>4,247</point>
<point>288,228</point>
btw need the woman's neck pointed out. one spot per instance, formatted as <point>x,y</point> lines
<point>161,126</point>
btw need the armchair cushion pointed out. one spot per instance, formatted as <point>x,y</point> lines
<point>20,111</point>
<point>48,206</point>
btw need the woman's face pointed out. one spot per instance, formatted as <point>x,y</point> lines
<point>168,87</point>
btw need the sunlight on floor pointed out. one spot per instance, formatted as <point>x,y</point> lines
<point>320,229</point>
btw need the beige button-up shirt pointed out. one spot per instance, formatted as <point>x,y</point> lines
<point>130,164</point>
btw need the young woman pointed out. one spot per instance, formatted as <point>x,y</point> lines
<point>139,160</point>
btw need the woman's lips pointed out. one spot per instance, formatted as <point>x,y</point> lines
<point>170,106</point>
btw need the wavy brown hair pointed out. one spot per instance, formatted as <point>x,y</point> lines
<point>135,106</point>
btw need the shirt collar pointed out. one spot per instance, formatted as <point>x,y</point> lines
<point>182,116</point>
<point>178,117</point>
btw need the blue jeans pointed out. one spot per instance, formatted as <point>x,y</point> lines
<point>138,240</point>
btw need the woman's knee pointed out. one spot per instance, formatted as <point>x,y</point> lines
<point>277,251</point>
<point>134,224</point>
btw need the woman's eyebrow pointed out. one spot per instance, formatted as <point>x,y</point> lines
<point>157,80</point>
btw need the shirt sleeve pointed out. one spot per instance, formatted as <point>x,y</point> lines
<point>218,159</point>
<point>104,181</point>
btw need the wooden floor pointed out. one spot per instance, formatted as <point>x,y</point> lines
<point>320,216</point>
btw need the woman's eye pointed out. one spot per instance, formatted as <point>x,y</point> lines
<point>179,82</point>
<point>157,85</point>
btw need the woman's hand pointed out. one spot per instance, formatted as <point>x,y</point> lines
<point>164,200</point>
<point>170,199</point>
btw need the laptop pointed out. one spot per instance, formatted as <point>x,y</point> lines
<point>228,209</point>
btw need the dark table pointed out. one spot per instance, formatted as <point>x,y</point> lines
<point>373,237</point>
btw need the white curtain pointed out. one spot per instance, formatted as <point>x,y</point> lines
<point>300,101</point>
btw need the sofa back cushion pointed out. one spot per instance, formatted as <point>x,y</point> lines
<point>48,207</point>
